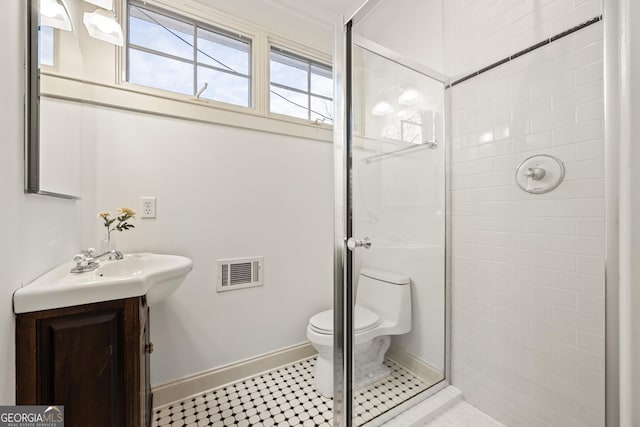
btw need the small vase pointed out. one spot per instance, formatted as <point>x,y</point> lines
<point>107,244</point>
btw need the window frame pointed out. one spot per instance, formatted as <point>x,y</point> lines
<point>255,117</point>
<point>196,24</point>
<point>310,60</point>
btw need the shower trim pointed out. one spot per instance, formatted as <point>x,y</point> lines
<point>355,14</point>
<point>618,411</point>
<point>341,361</point>
<point>394,56</point>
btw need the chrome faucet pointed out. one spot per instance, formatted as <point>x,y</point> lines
<point>86,261</point>
<point>116,254</point>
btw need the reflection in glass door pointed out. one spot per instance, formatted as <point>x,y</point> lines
<point>394,344</point>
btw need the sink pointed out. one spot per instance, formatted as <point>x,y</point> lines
<point>155,275</point>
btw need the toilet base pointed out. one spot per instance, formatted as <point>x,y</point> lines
<point>368,365</point>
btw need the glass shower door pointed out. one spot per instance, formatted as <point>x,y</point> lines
<point>393,346</point>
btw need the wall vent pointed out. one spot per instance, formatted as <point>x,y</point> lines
<point>238,273</point>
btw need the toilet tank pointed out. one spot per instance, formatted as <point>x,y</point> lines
<point>389,295</point>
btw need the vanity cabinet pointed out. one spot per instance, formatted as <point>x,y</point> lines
<point>93,359</point>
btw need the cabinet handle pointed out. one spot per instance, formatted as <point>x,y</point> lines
<point>148,347</point>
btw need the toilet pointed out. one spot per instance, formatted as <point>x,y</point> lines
<point>382,308</point>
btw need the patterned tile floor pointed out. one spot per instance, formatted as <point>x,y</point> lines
<point>286,397</point>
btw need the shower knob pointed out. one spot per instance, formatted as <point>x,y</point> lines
<point>353,243</point>
<point>539,174</point>
<point>535,173</point>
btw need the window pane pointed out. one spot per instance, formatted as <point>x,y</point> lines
<point>222,51</point>
<point>321,81</point>
<point>321,110</point>
<point>289,103</point>
<point>161,33</point>
<point>160,72</point>
<point>46,46</point>
<point>289,72</point>
<point>224,87</point>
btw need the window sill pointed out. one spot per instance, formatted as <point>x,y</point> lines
<point>137,98</point>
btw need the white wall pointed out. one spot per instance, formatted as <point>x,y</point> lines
<point>221,192</point>
<point>480,32</point>
<point>224,192</point>
<point>38,232</point>
<point>528,270</point>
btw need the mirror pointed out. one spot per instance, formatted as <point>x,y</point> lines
<point>58,126</point>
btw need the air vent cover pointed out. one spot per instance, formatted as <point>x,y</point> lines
<point>238,273</point>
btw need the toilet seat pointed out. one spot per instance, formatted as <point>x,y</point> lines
<point>363,321</point>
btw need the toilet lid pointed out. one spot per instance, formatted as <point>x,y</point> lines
<point>363,320</point>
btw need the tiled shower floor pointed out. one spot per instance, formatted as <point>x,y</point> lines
<point>464,415</point>
<point>286,397</point>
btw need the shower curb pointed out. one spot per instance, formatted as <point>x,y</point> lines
<point>427,410</point>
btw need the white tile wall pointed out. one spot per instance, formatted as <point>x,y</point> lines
<point>480,32</point>
<point>528,270</point>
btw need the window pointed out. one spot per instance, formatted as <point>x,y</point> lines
<point>46,44</point>
<point>171,52</point>
<point>300,87</point>
<point>184,56</point>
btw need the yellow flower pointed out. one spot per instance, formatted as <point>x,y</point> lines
<point>104,214</point>
<point>128,211</point>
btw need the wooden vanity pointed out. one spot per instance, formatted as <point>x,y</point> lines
<point>92,358</point>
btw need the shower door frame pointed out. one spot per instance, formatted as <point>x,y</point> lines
<point>344,41</point>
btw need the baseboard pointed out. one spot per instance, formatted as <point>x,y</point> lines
<point>214,378</point>
<point>415,365</point>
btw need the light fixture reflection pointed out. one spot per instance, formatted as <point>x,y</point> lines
<point>382,108</point>
<point>105,4</point>
<point>102,25</point>
<point>55,14</point>
<point>410,97</point>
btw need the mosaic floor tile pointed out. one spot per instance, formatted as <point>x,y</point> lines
<point>286,397</point>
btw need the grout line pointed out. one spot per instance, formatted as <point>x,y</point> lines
<point>526,50</point>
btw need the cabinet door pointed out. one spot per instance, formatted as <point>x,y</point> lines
<point>80,365</point>
<point>89,358</point>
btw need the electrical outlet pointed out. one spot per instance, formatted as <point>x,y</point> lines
<point>148,207</point>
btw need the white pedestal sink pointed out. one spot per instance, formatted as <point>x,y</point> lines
<point>155,275</point>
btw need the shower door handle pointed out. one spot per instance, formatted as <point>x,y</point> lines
<point>352,243</point>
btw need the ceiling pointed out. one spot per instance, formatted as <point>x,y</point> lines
<point>326,11</point>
